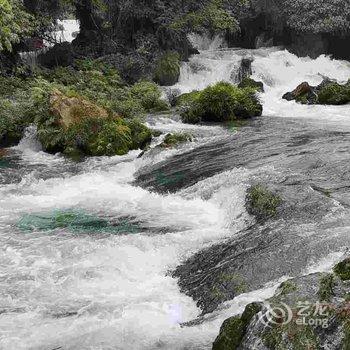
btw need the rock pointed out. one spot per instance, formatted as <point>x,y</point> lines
<point>71,110</point>
<point>329,92</point>
<point>284,325</point>
<point>303,93</point>
<point>234,329</point>
<point>59,55</point>
<point>174,139</point>
<point>251,83</point>
<point>78,127</point>
<point>245,69</point>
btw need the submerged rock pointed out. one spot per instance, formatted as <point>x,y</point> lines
<point>329,92</point>
<point>76,221</point>
<point>174,139</point>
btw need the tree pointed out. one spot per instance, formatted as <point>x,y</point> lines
<point>15,23</point>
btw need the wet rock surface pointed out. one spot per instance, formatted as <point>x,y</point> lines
<point>306,166</point>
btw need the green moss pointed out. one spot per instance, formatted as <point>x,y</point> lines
<point>176,138</point>
<point>326,287</point>
<point>222,102</point>
<point>342,270</point>
<point>334,94</point>
<point>302,98</point>
<point>290,336</point>
<point>346,339</point>
<point>287,287</point>
<point>262,203</point>
<point>167,70</point>
<point>234,329</point>
<point>251,83</point>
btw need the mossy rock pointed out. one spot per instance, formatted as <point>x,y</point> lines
<point>262,203</point>
<point>234,329</point>
<point>251,83</point>
<point>222,102</point>
<point>326,287</point>
<point>167,71</point>
<point>174,139</point>
<point>334,94</point>
<point>77,125</point>
<point>342,270</point>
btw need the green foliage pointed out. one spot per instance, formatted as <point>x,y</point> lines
<point>342,270</point>
<point>222,102</point>
<point>328,16</point>
<point>141,135</point>
<point>16,109</point>
<point>262,203</point>
<point>176,138</point>
<point>234,329</point>
<point>167,69</point>
<point>187,98</point>
<point>326,288</point>
<point>334,94</point>
<point>149,95</point>
<point>212,17</point>
<point>15,23</point>
<point>103,85</point>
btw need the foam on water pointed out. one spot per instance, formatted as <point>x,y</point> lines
<point>63,288</point>
<point>280,70</point>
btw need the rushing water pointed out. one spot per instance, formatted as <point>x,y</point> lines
<point>86,254</point>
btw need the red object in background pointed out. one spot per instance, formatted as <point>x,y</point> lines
<point>38,43</point>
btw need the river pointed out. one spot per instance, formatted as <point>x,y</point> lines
<point>88,249</point>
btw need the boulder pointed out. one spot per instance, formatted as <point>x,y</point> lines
<point>71,110</point>
<point>245,69</point>
<point>329,92</point>
<point>311,309</point>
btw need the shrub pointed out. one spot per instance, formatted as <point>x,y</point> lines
<point>262,203</point>
<point>222,102</point>
<point>149,95</point>
<point>187,98</point>
<point>16,110</point>
<point>141,135</point>
<point>167,71</point>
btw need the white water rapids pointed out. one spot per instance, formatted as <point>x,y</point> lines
<point>62,289</point>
